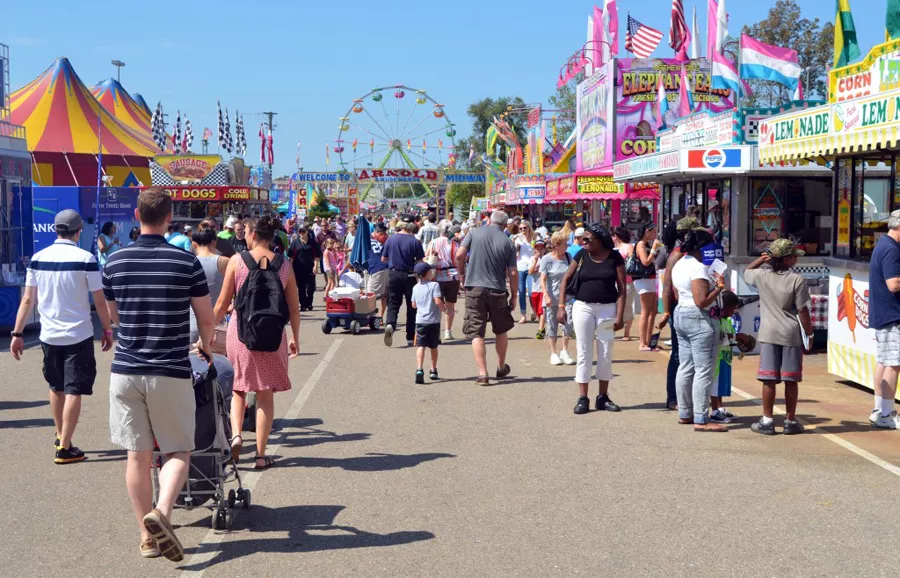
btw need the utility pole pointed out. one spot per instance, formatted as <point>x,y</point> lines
<point>271,125</point>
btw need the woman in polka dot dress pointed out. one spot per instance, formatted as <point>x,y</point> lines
<point>262,372</point>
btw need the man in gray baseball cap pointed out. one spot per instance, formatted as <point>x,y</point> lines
<point>60,279</point>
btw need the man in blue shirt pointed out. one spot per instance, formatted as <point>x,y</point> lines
<point>401,252</point>
<point>576,247</point>
<point>884,318</point>
<point>177,238</point>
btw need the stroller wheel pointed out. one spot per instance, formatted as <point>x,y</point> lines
<point>229,519</point>
<point>232,498</point>
<point>217,519</point>
<point>245,500</point>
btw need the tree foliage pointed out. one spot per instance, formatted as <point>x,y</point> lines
<point>461,195</point>
<point>321,209</point>
<point>564,101</point>
<point>783,26</point>
<point>482,112</point>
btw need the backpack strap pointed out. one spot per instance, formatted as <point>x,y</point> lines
<point>248,260</point>
<point>276,263</point>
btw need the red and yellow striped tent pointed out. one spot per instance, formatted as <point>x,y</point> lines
<point>60,115</point>
<point>64,125</point>
<point>121,105</point>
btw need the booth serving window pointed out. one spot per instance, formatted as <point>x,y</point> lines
<point>795,207</point>
<point>709,201</point>
<point>866,192</point>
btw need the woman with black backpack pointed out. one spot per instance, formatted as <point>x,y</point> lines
<point>266,299</point>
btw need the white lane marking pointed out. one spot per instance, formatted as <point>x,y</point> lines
<point>830,437</point>
<point>205,550</point>
<point>881,463</point>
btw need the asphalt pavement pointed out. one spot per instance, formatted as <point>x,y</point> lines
<point>376,476</point>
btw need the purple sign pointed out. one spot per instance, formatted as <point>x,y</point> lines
<point>593,121</point>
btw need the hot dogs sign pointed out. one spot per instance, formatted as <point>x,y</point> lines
<point>852,306</point>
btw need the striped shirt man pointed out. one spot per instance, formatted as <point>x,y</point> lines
<point>152,284</point>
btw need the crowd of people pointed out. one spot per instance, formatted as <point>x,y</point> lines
<point>240,291</point>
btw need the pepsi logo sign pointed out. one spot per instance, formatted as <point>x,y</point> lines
<point>713,158</point>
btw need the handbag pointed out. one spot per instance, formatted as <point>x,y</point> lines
<point>574,283</point>
<point>636,269</point>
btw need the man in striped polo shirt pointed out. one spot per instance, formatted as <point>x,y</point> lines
<point>150,287</point>
<point>60,278</point>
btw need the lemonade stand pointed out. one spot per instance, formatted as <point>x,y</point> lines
<point>858,133</point>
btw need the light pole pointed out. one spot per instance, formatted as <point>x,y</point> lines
<point>118,64</point>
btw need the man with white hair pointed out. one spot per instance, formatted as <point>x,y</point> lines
<point>884,318</point>
<point>491,263</point>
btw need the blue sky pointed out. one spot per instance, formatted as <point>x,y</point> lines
<point>309,60</point>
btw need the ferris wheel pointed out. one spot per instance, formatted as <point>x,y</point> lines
<point>395,127</point>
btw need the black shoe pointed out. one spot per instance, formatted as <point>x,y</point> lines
<point>583,406</point>
<point>792,427</point>
<point>606,404</point>
<point>56,442</point>
<point>504,371</point>
<point>766,430</point>
<point>420,377</point>
<point>69,456</point>
<point>433,374</point>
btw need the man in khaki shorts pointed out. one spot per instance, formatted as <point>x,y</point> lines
<point>491,263</point>
<point>150,286</point>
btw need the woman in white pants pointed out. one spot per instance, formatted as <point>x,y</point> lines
<point>598,273</point>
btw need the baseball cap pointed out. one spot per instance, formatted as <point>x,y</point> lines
<point>579,232</point>
<point>422,269</point>
<point>68,221</point>
<point>749,346</point>
<point>380,228</point>
<point>229,224</point>
<point>539,240</point>
<point>784,248</point>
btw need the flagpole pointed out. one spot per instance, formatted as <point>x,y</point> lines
<point>99,177</point>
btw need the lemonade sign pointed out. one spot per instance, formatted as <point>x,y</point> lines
<point>866,113</point>
<point>811,124</point>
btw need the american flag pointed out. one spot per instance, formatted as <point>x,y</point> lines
<point>641,40</point>
<point>678,31</point>
<point>176,134</point>
<point>223,143</point>
<point>188,141</point>
<point>229,144</point>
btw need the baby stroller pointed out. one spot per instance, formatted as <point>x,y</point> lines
<point>211,464</point>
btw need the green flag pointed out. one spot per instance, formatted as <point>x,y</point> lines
<point>845,46</point>
<point>892,20</point>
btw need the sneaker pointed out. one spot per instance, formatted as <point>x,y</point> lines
<point>540,334</point>
<point>555,359</point>
<point>69,456</point>
<point>433,374</point>
<point>583,405</point>
<point>56,441</point>
<point>766,430</point>
<point>719,416</point>
<point>887,421</point>
<point>504,371</point>
<point>448,335</point>
<point>388,335</point>
<point>149,549</point>
<point>726,412</point>
<point>873,418</point>
<point>420,377</point>
<point>667,343</point>
<point>566,358</point>
<point>162,532</point>
<point>792,427</point>
<point>606,404</point>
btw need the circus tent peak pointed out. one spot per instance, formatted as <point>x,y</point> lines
<point>60,114</point>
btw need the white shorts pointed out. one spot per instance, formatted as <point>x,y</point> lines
<point>144,408</point>
<point>642,286</point>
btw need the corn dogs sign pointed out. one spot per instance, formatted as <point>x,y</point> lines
<point>852,306</point>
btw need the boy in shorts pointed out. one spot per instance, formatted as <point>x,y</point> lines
<point>784,306</point>
<point>427,301</point>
